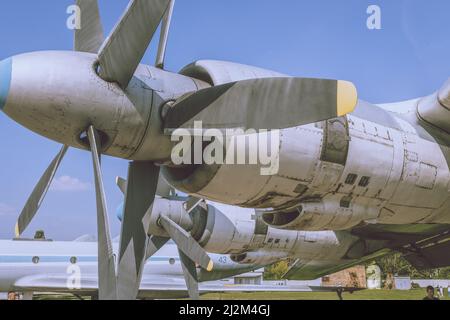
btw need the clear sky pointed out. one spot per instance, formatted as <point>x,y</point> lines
<point>409,57</point>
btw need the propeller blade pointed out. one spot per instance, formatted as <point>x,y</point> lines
<point>160,57</point>
<point>139,198</point>
<point>190,275</point>
<point>106,262</point>
<point>186,243</point>
<point>90,36</point>
<point>191,204</point>
<point>272,103</point>
<point>154,244</point>
<point>122,184</point>
<point>163,189</point>
<point>37,196</point>
<point>123,50</point>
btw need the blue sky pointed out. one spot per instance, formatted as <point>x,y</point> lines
<point>408,58</point>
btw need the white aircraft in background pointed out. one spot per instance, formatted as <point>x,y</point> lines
<point>241,241</point>
<point>33,266</point>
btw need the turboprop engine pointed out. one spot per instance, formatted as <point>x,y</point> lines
<point>243,234</point>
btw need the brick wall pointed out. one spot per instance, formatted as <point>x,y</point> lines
<point>354,277</point>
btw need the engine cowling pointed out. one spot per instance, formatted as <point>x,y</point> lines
<point>330,214</point>
<point>243,234</point>
<point>220,233</point>
<point>434,109</point>
<point>258,257</point>
<point>220,72</point>
<point>211,228</point>
<point>196,179</point>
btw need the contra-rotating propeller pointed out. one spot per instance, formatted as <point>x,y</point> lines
<point>190,252</point>
<point>273,103</point>
<point>118,58</point>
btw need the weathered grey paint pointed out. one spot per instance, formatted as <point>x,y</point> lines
<point>235,231</point>
<point>395,171</point>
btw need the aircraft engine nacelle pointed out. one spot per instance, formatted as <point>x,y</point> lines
<point>318,216</point>
<point>220,233</point>
<point>212,229</point>
<point>221,72</point>
<point>271,181</point>
<point>259,257</point>
<point>434,109</point>
<point>194,178</point>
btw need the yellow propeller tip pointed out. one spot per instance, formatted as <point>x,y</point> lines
<point>16,230</point>
<point>347,98</point>
<point>210,266</point>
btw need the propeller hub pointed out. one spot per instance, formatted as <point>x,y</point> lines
<point>58,95</point>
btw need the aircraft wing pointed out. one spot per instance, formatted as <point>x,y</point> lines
<point>425,246</point>
<point>430,253</point>
<point>307,270</point>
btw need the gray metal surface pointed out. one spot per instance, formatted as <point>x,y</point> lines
<point>186,243</point>
<point>163,189</point>
<point>190,275</point>
<point>154,245</point>
<point>90,36</point>
<point>123,50</point>
<point>122,185</point>
<point>272,103</point>
<point>140,194</point>
<point>390,171</point>
<point>164,37</point>
<point>444,94</point>
<point>217,72</point>
<point>106,261</point>
<point>37,196</point>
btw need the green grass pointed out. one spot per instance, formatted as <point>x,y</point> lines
<point>416,294</point>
